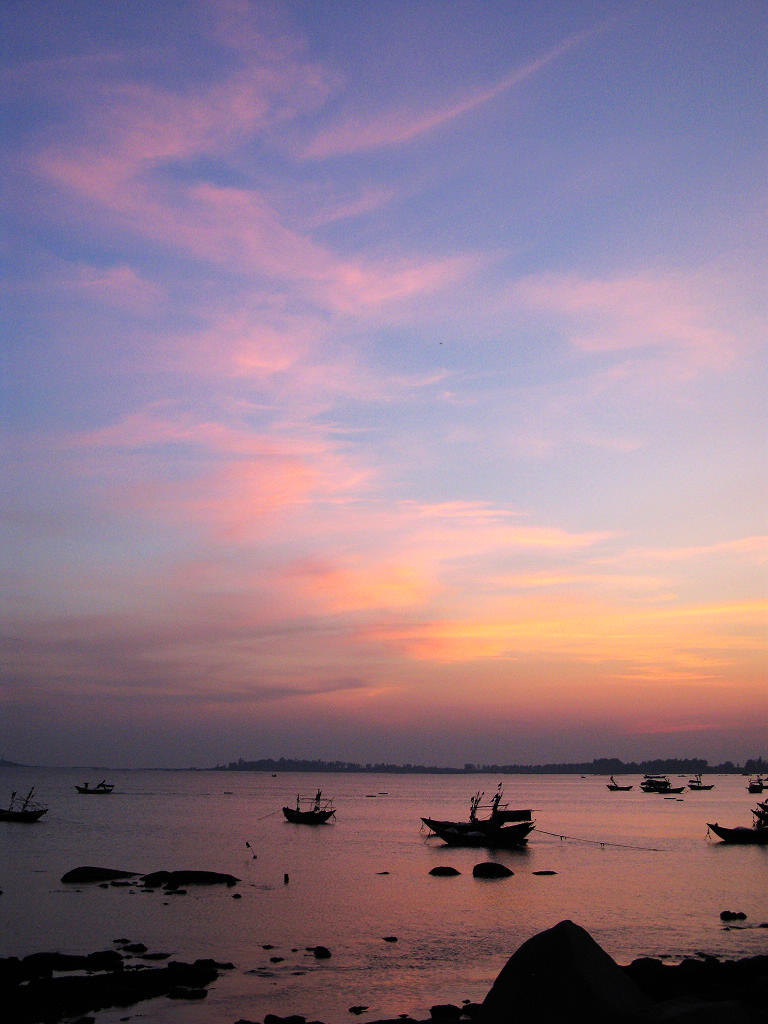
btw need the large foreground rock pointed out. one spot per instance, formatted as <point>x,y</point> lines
<point>560,975</point>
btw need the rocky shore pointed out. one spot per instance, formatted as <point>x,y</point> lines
<point>559,975</point>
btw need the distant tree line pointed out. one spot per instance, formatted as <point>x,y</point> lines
<point>598,766</point>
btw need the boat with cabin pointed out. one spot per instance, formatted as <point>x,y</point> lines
<point>503,828</point>
<point>659,784</point>
<point>102,788</point>
<point>23,809</point>
<point>756,784</point>
<point>316,810</point>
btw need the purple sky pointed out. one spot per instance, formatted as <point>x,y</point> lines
<point>383,381</point>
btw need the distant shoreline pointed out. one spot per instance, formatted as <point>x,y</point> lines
<point>598,766</point>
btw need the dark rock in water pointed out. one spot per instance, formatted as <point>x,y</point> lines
<point>181,992</point>
<point>272,1018</point>
<point>237,896</point>
<point>491,869</point>
<point>44,998</point>
<point>732,915</point>
<point>92,874</point>
<point>543,872</point>
<point>135,947</point>
<point>445,1012</point>
<point>207,964</point>
<point>390,938</point>
<point>321,953</point>
<point>707,985</point>
<point>444,870</point>
<point>42,965</point>
<point>175,879</point>
<point>562,974</point>
<point>358,1009</point>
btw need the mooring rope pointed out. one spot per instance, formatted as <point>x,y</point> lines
<point>599,842</point>
<point>266,816</point>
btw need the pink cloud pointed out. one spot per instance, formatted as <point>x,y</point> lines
<point>117,286</point>
<point>398,127</point>
<point>672,315</point>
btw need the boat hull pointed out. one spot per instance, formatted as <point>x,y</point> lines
<point>667,791</point>
<point>741,835</point>
<point>307,817</point>
<point>504,837</point>
<point>96,791</point>
<point>25,817</point>
<point>618,789</point>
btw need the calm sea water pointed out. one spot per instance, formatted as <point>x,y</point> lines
<point>637,871</point>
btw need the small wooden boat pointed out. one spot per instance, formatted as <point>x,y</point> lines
<point>696,784</point>
<point>616,788</point>
<point>659,784</point>
<point>310,810</point>
<point>504,828</point>
<point>24,811</point>
<point>756,785</point>
<point>103,788</point>
<point>741,835</point>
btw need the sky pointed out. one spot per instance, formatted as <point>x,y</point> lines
<point>383,381</point>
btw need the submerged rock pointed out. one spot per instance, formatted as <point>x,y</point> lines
<point>175,879</point>
<point>444,870</point>
<point>154,880</point>
<point>95,874</point>
<point>491,869</point>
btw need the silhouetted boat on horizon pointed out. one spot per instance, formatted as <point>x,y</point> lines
<point>756,785</point>
<point>102,788</point>
<point>659,784</point>
<point>23,810</point>
<point>696,784</point>
<point>616,788</point>
<point>310,810</point>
